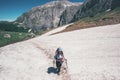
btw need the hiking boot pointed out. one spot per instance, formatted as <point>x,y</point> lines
<point>58,73</point>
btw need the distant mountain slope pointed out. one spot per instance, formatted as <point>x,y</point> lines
<point>115,4</point>
<point>60,12</point>
<point>92,7</point>
<point>46,16</point>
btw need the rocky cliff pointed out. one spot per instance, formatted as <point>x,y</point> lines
<point>92,7</point>
<point>115,4</point>
<point>48,15</point>
<point>68,14</point>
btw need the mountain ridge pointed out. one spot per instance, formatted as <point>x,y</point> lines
<point>58,13</point>
<point>92,7</point>
<point>45,16</point>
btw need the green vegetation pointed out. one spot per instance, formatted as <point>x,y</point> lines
<point>108,15</point>
<point>104,18</point>
<point>11,33</point>
<point>12,27</point>
<point>12,37</point>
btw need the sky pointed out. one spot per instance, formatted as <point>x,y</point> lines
<point>11,9</point>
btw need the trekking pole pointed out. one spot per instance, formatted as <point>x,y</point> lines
<point>66,63</point>
<point>53,63</point>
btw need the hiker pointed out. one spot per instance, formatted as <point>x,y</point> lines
<point>59,57</point>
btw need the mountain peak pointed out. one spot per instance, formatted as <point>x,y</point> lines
<point>64,3</point>
<point>48,15</point>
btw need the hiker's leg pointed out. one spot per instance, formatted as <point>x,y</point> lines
<point>58,64</point>
<point>59,67</point>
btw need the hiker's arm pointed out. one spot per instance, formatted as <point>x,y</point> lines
<point>63,56</point>
<point>55,53</point>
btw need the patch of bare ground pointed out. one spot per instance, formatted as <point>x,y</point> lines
<point>84,25</point>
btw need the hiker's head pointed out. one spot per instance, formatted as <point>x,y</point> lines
<point>59,49</point>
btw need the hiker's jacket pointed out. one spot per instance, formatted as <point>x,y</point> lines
<point>57,54</point>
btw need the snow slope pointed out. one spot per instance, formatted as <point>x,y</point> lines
<point>92,54</point>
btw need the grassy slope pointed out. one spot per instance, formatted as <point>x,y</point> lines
<point>15,37</point>
<point>104,18</point>
<point>16,33</point>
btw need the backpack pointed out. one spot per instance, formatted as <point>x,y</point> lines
<point>59,55</point>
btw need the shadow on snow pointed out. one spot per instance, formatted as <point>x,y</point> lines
<point>52,70</point>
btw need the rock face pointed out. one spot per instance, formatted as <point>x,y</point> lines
<point>115,4</point>
<point>48,15</point>
<point>92,7</point>
<point>68,14</point>
<point>60,12</point>
<point>7,36</point>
